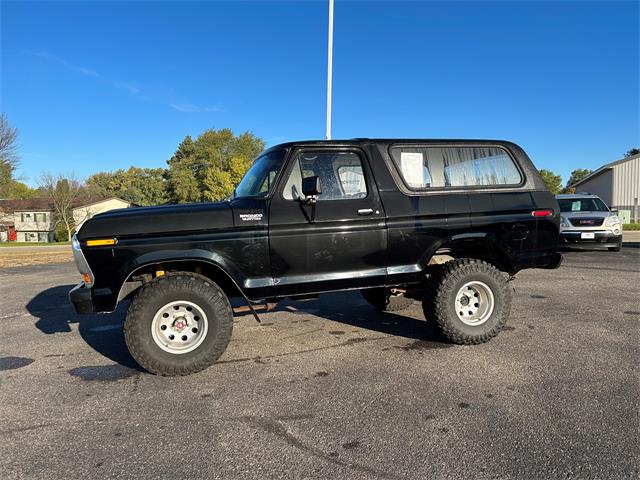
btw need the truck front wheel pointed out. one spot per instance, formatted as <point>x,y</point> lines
<point>469,300</point>
<point>178,324</point>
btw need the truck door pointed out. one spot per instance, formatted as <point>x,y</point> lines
<point>338,242</point>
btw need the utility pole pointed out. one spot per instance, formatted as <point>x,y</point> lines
<point>329,70</point>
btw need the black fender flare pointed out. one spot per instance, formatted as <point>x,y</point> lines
<point>498,254</point>
<point>212,259</point>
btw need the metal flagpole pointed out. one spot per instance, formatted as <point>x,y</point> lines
<point>329,70</point>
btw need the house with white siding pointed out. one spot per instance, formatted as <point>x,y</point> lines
<point>86,209</point>
<point>33,220</point>
<point>617,184</point>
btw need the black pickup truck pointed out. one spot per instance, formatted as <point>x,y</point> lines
<point>446,222</point>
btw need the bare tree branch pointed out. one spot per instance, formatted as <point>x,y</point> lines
<point>62,191</point>
<point>8,143</point>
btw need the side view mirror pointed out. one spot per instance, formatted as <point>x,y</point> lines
<point>613,210</point>
<point>311,188</point>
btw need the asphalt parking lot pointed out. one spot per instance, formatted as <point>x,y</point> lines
<point>333,389</point>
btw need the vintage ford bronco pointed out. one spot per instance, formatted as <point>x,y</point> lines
<point>444,222</point>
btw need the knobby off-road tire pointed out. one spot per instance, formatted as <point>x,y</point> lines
<point>383,300</point>
<point>203,318</point>
<point>477,285</point>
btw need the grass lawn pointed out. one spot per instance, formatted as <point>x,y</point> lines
<point>19,257</point>
<point>631,226</point>
<point>31,244</point>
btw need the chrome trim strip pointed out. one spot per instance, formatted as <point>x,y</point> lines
<point>81,262</point>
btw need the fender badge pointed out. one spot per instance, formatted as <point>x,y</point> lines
<point>250,217</point>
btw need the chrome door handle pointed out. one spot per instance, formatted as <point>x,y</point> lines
<point>365,211</point>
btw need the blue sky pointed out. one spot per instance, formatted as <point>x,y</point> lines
<point>105,85</point>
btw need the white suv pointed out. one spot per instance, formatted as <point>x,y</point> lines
<point>586,221</point>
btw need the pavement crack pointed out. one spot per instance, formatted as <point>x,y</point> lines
<point>14,315</point>
<point>351,341</point>
<point>27,429</point>
<point>136,383</point>
<point>279,430</point>
<point>374,399</point>
<point>306,332</point>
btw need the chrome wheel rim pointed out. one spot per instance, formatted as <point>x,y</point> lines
<point>474,303</point>
<point>179,327</point>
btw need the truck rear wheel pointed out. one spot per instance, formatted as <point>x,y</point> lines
<point>178,324</point>
<point>383,299</point>
<point>469,301</point>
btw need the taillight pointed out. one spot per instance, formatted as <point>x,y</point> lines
<point>542,213</point>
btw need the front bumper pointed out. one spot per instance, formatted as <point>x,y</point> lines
<point>81,299</point>
<point>602,238</point>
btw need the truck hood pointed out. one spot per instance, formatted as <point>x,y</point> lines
<point>162,219</point>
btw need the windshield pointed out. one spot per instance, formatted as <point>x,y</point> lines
<point>259,179</point>
<point>582,205</point>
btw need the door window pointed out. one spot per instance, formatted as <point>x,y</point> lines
<point>341,175</point>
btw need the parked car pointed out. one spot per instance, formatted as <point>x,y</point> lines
<point>444,222</point>
<point>586,221</point>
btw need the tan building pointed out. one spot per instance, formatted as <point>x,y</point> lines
<point>33,220</point>
<point>617,184</point>
<point>88,209</point>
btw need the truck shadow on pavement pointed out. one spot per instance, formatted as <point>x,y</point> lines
<point>103,333</point>
<point>350,309</point>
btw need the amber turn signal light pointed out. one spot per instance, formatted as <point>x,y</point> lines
<point>101,242</point>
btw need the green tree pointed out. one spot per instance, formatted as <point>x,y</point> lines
<point>19,191</point>
<point>576,175</point>
<point>60,233</point>
<point>238,166</point>
<point>182,184</point>
<point>146,186</point>
<point>102,184</point>
<point>553,181</point>
<point>632,151</point>
<point>209,167</point>
<point>141,186</point>
<point>217,183</point>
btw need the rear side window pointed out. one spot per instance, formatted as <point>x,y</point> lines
<point>441,167</point>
